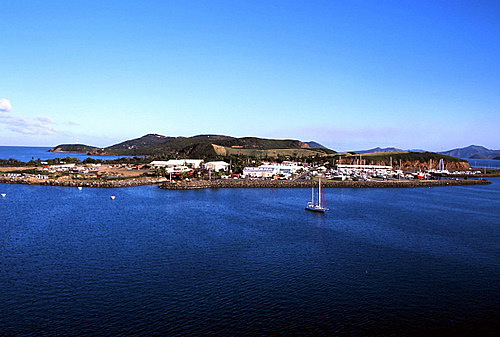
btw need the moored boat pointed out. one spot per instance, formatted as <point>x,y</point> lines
<point>320,206</point>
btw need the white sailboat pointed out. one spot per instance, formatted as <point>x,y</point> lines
<point>320,206</point>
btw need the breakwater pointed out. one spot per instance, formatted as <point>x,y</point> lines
<point>84,183</point>
<point>240,183</point>
<point>227,183</point>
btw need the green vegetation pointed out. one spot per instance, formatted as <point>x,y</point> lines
<point>74,148</point>
<point>204,146</point>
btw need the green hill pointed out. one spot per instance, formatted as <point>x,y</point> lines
<point>204,146</point>
<point>78,148</point>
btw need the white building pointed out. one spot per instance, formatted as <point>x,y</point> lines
<point>172,163</point>
<point>216,166</point>
<point>269,170</point>
<point>258,172</point>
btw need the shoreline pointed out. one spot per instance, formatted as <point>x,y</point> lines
<point>162,182</point>
<point>85,183</point>
<point>203,184</point>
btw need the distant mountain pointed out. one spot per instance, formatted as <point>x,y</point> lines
<point>378,149</point>
<point>205,146</point>
<point>315,145</point>
<point>473,152</point>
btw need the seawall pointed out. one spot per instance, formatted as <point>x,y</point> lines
<point>232,183</point>
<point>84,183</point>
<point>201,184</point>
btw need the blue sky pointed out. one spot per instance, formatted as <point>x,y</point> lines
<point>348,74</point>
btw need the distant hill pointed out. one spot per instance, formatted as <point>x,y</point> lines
<point>77,148</point>
<point>138,143</point>
<point>204,146</point>
<point>315,145</point>
<point>473,152</point>
<point>378,149</point>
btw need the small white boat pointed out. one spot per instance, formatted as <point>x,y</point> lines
<point>3,195</point>
<point>80,188</point>
<point>112,197</point>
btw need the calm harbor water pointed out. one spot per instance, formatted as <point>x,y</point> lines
<point>487,163</point>
<point>27,153</point>
<point>249,261</point>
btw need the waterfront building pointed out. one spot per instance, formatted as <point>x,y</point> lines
<point>172,163</point>
<point>216,166</point>
<point>270,170</point>
<point>258,172</point>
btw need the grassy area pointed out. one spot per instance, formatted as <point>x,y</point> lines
<point>25,171</point>
<point>269,153</point>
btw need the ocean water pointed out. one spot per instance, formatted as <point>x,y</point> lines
<point>484,163</point>
<point>381,262</point>
<point>27,153</point>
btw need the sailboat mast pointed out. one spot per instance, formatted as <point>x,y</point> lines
<point>319,192</point>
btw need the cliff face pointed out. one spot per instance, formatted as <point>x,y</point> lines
<point>409,165</point>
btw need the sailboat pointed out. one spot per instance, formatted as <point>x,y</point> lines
<point>321,205</point>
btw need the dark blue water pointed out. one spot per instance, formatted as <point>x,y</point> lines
<point>484,163</point>
<point>27,153</point>
<point>249,261</point>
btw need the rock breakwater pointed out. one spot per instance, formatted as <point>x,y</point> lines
<point>201,184</point>
<point>242,183</point>
<point>84,183</point>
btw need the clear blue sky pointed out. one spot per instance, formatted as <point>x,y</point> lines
<point>348,74</point>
